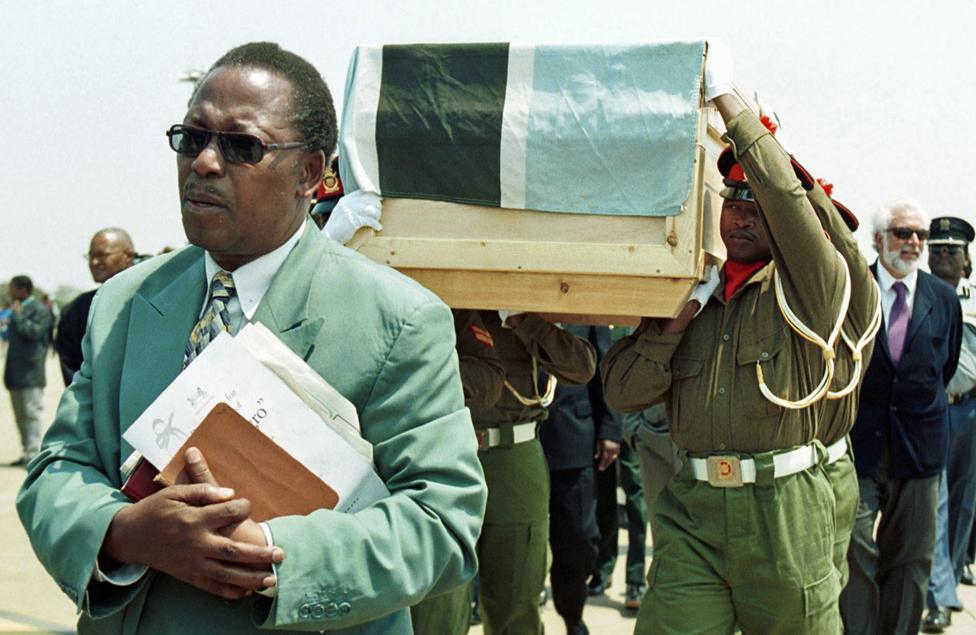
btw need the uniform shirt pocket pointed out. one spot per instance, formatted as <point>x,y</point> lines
<point>765,350</point>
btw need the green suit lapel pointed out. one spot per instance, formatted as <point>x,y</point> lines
<point>163,313</point>
<point>159,323</point>
<point>284,309</point>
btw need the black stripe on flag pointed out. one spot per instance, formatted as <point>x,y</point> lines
<point>439,119</point>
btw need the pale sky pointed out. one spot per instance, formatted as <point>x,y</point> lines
<point>873,95</point>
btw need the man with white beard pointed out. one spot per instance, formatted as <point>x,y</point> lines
<point>901,433</point>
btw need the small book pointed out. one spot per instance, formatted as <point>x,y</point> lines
<point>243,458</point>
<point>141,482</point>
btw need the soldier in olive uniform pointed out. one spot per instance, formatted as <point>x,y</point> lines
<point>744,533</point>
<point>482,373</point>
<point>512,547</point>
<point>482,379</point>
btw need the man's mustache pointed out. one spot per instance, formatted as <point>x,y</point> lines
<point>196,190</point>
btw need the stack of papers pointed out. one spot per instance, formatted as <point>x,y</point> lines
<point>306,429</point>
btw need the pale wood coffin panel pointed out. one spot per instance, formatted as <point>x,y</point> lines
<point>593,268</point>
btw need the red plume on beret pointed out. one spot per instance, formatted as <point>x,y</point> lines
<point>730,168</point>
<point>827,186</point>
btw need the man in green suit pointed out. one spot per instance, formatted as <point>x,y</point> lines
<point>188,559</point>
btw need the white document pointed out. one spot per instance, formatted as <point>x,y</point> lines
<point>226,371</point>
<point>321,397</point>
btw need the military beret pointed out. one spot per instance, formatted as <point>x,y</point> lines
<point>330,187</point>
<point>736,186</point>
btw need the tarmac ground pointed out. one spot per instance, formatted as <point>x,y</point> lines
<point>30,602</point>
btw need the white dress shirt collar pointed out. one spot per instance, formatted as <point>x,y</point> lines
<point>888,295</point>
<point>886,280</point>
<point>253,279</point>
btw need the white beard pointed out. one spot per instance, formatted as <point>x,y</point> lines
<point>904,267</point>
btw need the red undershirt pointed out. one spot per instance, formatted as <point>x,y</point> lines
<point>737,273</point>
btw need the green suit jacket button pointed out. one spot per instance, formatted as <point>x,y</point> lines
<point>305,611</point>
<point>318,611</point>
<point>344,608</point>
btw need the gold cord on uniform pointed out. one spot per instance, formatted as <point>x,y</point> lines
<point>214,319</point>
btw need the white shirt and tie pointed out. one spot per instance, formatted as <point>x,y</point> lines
<point>890,287</point>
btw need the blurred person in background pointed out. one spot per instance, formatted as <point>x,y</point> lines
<point>109,253</point>
<point>580,440</point>
<point>949,260</point>
<point>29,332</point>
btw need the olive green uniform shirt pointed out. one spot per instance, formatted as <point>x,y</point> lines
<point>482,374</point>
<point>707,375</point>
<point>839,414</point>
<point>556,351</point>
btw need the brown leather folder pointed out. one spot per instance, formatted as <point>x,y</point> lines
<point>241,457</point>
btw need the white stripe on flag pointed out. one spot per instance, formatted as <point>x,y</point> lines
<point>358,132</point>
<point>515,124</point>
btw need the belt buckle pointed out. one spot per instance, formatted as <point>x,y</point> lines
<point>724,471</point>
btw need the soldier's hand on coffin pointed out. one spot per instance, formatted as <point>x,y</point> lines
<point>719,69</point>
<point>704,290</point>
<point>177,531</point>
<point>353,211</point>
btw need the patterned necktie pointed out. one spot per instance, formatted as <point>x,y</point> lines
<point>214,320</point>
<point>898,322</point>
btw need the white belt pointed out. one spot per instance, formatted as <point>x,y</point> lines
<point>836,450</point>
<point>492,437</point>
<point>724,470</point>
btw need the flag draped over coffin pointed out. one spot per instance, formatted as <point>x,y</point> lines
<point>583,129</point>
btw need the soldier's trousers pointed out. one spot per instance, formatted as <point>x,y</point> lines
<point>445,614</point>
<point>843,479</point>
<point>514,539</point>
<point>758,556</point>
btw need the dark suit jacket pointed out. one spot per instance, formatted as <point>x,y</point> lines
<point>71,329</point>
<point>579,415</point>
<point>907,405</point>
<point>30,334</point>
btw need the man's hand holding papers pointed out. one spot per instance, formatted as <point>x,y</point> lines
<point>178,531</point>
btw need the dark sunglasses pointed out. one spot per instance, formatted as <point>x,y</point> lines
<point>952,250</point>
<point>237,147</point>
<point>905,233</point>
